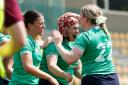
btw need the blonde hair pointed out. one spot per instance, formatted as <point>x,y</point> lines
<point>93,12</point>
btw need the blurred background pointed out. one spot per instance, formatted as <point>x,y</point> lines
<point>115,10</point>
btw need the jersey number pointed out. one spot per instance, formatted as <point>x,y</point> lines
<point>101,55</point>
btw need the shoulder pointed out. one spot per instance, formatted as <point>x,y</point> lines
<point>28,45</point>
<point>51,47</point>
<point>83,36</point>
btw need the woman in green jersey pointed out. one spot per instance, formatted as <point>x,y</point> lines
<point>93,47</point>
<point>52,62</point>
<point>27,59</point>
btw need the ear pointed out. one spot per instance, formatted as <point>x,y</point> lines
<point>30,25</point>
<point>86,19</point>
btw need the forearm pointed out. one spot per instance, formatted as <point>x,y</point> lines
<point>55,70</point>
<point>8,63</point>
<point>37,72</point>
<point>65,54</point>
<point>68,56</point>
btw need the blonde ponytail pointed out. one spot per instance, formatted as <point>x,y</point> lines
<point>100,21</point>
<point>104,28</point>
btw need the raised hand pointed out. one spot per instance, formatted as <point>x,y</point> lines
<point>57,37</point>
<point>47,41</point>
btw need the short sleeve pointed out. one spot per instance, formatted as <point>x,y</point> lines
<point>50,50</point>
<point>81,42</point>
<point>27,48</point>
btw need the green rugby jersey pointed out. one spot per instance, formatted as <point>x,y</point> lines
<point>51,49</point>
<point>97,48</point>
<point>19,75</point>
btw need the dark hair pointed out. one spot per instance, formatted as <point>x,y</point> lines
<point>31,16</point>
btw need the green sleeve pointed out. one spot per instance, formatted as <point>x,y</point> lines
<point>51,50</point>
<point>27,48</point>
<point>82,41</point>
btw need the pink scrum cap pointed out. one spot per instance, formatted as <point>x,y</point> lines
<point>65,22</point>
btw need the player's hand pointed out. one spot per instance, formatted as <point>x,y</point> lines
<point>57,37</point>
<point>69,77</point>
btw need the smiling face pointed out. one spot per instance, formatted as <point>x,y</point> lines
<point>68,27</point>
<point>88,15</point>
<point>38,26</point>
<point>73,31</point>
<point>34,22</point>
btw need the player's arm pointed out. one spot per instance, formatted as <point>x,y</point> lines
<point>27,62</point>
<point>54,69</point>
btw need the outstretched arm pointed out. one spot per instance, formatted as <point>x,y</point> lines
<point>68,56</point>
